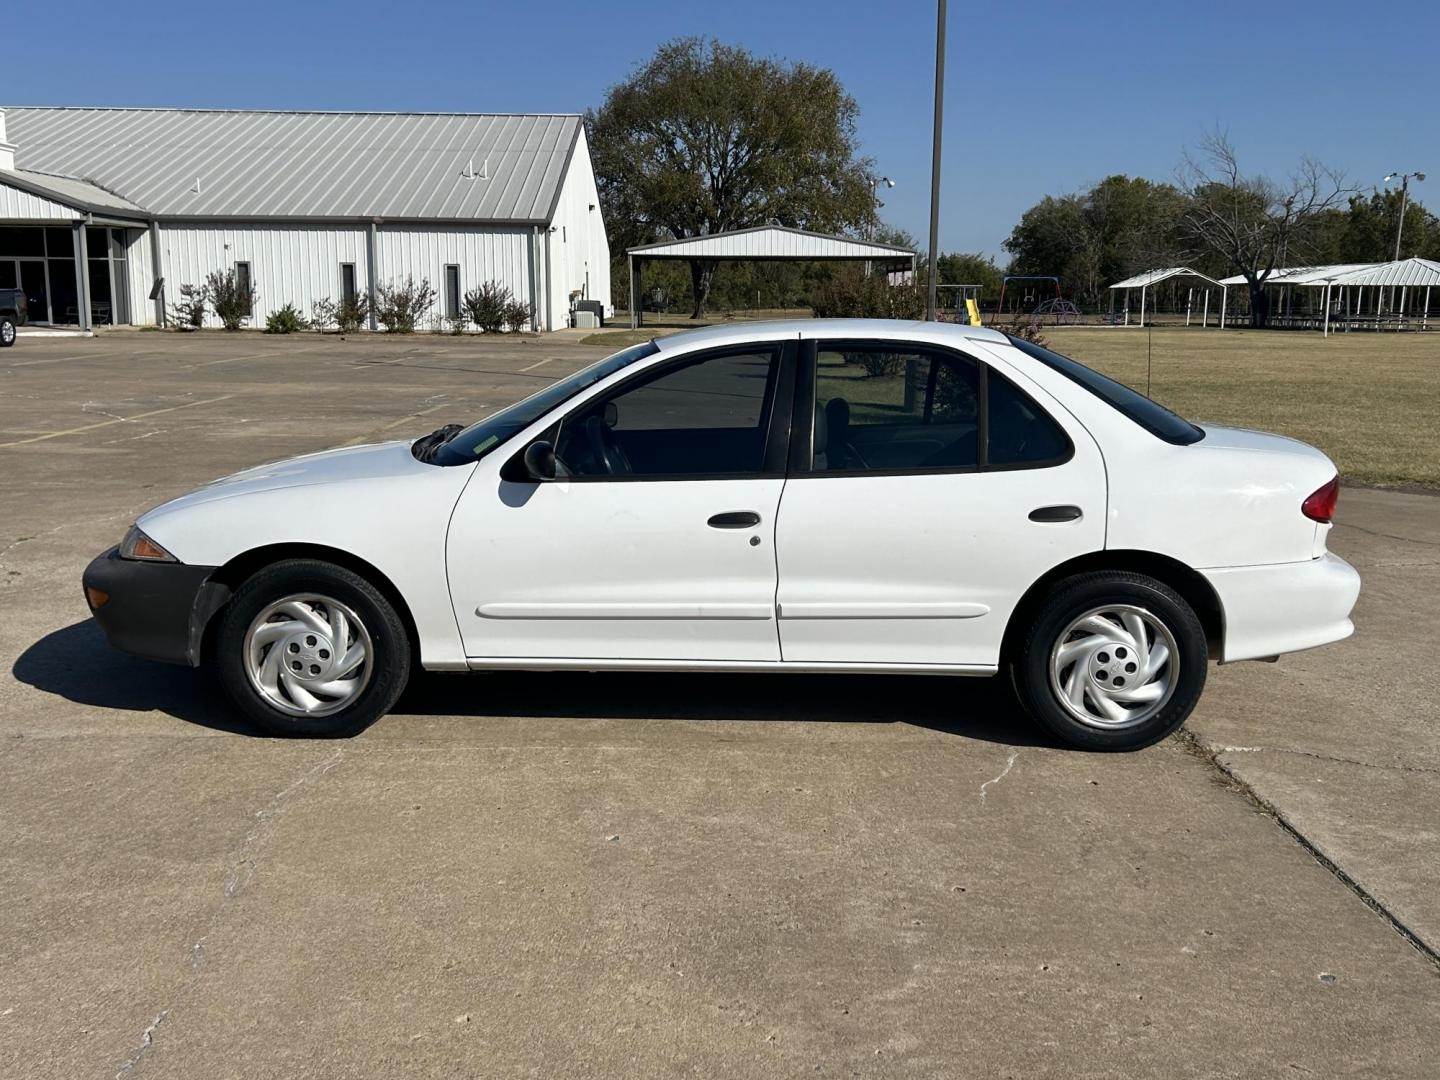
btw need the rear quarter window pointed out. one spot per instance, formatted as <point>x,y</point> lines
<point>1150,415</point>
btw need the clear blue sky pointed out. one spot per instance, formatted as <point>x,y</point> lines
<point>1041,97</point>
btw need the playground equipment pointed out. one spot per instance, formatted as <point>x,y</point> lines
<point>966,306</point>
<point>1028,296</point>
<point>1057,311</point>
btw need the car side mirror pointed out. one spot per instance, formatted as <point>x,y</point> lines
<point>540,461</point>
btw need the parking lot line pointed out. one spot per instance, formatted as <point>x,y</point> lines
<point>117,420</point>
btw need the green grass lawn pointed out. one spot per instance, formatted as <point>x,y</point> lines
<point>1370,401</point>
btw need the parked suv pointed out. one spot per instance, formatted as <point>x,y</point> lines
<point>12,314</point>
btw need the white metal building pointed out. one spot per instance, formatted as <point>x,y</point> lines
<point>306,205</point>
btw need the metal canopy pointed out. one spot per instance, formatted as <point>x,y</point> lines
<point>1150,278</point>
<point>765,242</point>
<point>66,190</point>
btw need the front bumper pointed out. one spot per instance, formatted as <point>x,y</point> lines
<point>155,610</point>
<point>1285,607</point>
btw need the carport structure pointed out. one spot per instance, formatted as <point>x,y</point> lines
<point>1151,278</point>
<point>765,243</point>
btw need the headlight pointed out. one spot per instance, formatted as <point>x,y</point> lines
<point>137,545</point>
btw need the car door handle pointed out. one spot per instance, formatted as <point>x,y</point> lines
<point>735,519</point>
<point>1056,513</point>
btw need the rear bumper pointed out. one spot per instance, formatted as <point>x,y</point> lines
<point>154,610</point>
<point>1285,607</point>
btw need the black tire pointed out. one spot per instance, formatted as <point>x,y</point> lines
<point>7,331</point>
<point>1073,598</point>
<point>389,668</point>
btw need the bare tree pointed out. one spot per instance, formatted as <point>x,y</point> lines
<point>1253,222</point>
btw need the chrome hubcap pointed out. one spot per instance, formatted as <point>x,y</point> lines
<point>7,333</point>
<point>308,655</point>
<point>1114,667</point>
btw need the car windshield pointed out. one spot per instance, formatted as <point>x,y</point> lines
<point>485,435</point>
<point>1152,416</point>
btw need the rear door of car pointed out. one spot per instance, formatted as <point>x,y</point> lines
<point>927,491</point>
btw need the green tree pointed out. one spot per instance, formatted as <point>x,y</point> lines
<point>1119,227</point>
<point>707,137</point>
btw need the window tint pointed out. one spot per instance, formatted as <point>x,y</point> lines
<point>882,408</point>
<point>708,417</point>
<point>1018,431</point>
<point>1153,417</point>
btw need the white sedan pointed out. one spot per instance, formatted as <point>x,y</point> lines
<point>817,496</point>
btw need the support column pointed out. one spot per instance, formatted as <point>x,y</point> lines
<point>1143,288</point>
<point>634,296</point>
<point>1224,295</point>
<point>371,270</point>
<point>1325,325</point>
<point>1205,316</point>
<point>82,275</point>
<point>1189,301</point>
<point>157,288</point>
<point>535,278</point>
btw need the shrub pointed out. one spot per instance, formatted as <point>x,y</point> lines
<point>398,306</point>
<point>351,314</point>
<point>487,306</point>
<point>517,315</point>
<point>231,303</point>
<point>849,294</point>
<point>287,320</point>
<point>1026,329</point>
<point>190,309</point>
<point>322,313</point>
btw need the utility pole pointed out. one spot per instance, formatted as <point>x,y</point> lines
<point>1404,199</point>
<point>935,156</point>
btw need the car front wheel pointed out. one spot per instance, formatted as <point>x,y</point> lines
<point>7,331</point>
<point>1112,661</point>
<point>309,649</point>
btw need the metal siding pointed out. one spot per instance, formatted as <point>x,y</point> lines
<point>305,164</point>
<point>137,259</point>
<point>483,254</point>
<point>578,245</point>
<point>288,263</point>
<point>21,205</point>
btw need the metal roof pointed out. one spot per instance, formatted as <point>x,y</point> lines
<point>1302,275</point>
<point>1406,272</point>
<point>68,190</point>
<point>770,242</point>
<point>201,163</point>
<point>1154,277</point>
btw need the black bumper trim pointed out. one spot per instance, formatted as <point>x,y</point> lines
<point>156,610</point>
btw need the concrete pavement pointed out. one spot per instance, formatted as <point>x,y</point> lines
<point>614,875</point>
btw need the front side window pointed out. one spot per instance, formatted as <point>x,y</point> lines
<point>884,408</point>
<point>705,417</point>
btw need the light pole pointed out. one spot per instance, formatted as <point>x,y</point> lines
<point>875,203</point>
<point>1404,179</point>
<point>935,155</point>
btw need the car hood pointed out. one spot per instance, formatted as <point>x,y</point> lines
<point>375,461</point>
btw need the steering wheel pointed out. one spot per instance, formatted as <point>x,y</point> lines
<point>605,449</point>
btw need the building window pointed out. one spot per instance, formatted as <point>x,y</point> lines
<point>452,291</point>
<point>348,293</point>
<point>242,284</point>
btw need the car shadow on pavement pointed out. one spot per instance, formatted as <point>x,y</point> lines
<point>76,663</point>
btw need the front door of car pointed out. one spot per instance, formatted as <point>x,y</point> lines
<point>932,492</point>
<point>655,540</point>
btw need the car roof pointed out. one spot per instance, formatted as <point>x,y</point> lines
<point>739,332</point>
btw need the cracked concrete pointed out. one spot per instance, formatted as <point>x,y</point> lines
<point>629,876</point>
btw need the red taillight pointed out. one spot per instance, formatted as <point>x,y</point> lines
<point>1320,506</point>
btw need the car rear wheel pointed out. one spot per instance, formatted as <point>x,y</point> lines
<point>1112,661</point>
<point>310,649</point>
<point>7,331</point>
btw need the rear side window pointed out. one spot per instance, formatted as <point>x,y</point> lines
<point>885,408</point>
<point>1153,417</point>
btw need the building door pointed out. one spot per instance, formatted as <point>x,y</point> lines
<point>33,282</point>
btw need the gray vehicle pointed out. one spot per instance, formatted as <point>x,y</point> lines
<point>12,315</point>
